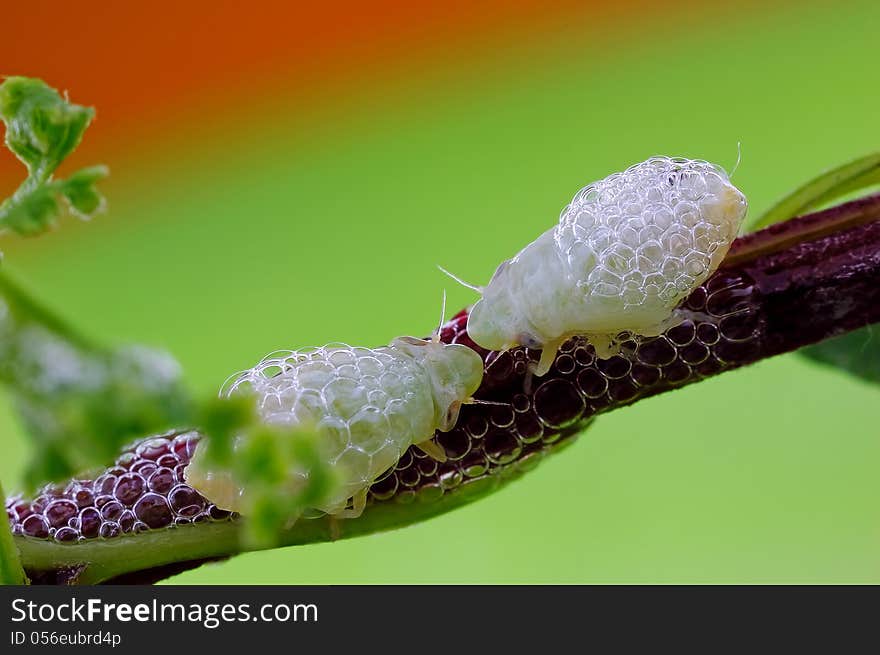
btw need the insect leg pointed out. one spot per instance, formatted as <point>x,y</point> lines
<point>548,356</point>
<point>358,503</point>
<point>432,450</point>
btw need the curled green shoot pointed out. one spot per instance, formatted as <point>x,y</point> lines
<point>42,129</point>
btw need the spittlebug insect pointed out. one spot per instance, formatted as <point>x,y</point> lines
<point>625,252</point>
<point>367,405</point>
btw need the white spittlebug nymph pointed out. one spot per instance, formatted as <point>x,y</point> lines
<point>367,406</point>
<point>625,253</point>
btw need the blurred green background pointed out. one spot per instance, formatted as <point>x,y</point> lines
<point>263,228</point>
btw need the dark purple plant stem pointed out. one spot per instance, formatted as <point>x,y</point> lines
<point>819,274</point>
<point>780,289</point>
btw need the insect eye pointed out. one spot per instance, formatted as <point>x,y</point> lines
<point>530,341</point>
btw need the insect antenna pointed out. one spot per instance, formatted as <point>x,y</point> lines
<point>436,336</point>
<point>467,285</point>
<point>480,401</point>
<point>738,159</point>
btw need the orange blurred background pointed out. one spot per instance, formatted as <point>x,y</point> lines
<point>155,69</point>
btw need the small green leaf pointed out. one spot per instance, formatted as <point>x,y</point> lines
<point>323,479</point>
<point>29,211</point>
<point>857,353</point>
<point>11,571</point>
<point>222,418</point>
<point>79,190</point>
<point>279,471</point>
<point>283,473</point>
<point>261,459</point>
<point>827,187</point>
<point>267,517</point>
<point>42,128</point>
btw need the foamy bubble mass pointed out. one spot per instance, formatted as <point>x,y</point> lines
<point>625,252</point>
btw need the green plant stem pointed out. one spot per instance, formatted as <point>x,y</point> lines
<point>24,309</point>
<point>11,571</point>
<point>103,560</point>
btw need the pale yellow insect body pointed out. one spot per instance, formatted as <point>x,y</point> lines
<point>367,405</point>
<point>625,252</point>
